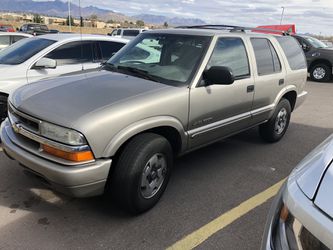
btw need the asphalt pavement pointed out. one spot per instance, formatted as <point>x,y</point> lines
<point>204,185</point>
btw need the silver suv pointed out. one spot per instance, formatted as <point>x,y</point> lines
<point>164,94</point>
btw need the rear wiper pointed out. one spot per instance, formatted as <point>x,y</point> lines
<point>139,72</point>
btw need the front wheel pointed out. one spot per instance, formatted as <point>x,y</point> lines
<point>276,127</point>
<point>321,73</point>
<point>142,172</point>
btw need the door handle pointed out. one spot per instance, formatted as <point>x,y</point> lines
<point>281,81</point>
<point>250,88</point>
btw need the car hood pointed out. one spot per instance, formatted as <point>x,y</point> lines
<point>326,50</point>
<point>64,100</point>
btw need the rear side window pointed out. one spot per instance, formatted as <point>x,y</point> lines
<point>231,52</point>
<point>109,48</point>
<point>267,59</point>
<point>72,53</point>
<point>17,38</point>
<point>4,40</point>
<point>293,52</point>
<point>131,32</point>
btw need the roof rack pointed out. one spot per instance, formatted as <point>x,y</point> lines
<point>233,28</point>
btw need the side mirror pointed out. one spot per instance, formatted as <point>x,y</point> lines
<point>305,47</point>
<point>218,75</point>
<point>45,63</point>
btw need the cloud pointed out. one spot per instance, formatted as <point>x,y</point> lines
<point>315,16</point>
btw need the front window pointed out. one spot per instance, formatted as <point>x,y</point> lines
<point>166,58</point>
<point>23,50</point>
<point>315,42</point>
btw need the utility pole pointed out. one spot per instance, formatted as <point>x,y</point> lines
<point>282,14</point>
<point>69,16</point>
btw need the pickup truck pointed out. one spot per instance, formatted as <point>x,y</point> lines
<point>119,129</point>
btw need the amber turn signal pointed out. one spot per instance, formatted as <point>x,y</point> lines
<point>284,213</point>
<point>70,156</point>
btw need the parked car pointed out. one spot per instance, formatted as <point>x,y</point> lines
<point>319,57</point>
<point>36,29</point>
<point>120,129</point>
<point>7,28</point>
<point>126,33</point>
<point>51,55</point>
<point>7,39</point>
<point>301,216</point>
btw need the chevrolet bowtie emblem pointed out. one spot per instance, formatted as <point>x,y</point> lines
<point>16,127</point>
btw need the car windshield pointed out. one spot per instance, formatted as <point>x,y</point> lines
<point>166,58</point>
<point>316,43</point>
<point>22,50</point>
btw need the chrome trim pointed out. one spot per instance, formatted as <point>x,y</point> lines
<point>19,129</point>
<point>15,111</point>
<point>215,125</point>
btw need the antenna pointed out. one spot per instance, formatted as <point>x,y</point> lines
<point>81,23</point>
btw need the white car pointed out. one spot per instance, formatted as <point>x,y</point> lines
<point>8,38</point>
<point>51,55</point>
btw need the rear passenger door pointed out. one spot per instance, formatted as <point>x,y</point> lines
<point>269,77</point>
<point>217,111</point>
<point>70,58</point>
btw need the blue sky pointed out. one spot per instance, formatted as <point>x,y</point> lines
<point>314,16</point>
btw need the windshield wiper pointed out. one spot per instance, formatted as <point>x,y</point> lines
<point>138,72</point>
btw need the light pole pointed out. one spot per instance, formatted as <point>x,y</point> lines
<point>69,16</point>
<point>282,14</point>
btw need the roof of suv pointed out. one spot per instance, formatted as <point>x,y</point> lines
<point>77,36</point>
<point>209,32</point>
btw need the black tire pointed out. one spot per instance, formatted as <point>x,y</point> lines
<point>271,132</point>
<point>321,68</point>
<point>3,108</point>
<point>126,180</point>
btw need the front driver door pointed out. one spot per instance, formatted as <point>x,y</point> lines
<point>220,110</point>
<point>69,57</point>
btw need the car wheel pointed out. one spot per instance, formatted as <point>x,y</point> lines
<point>321,73</point>
<point>277,125</point>
<point>142,172</point>
<point>3,108</point>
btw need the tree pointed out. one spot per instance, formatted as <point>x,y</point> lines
<point>69,20</point>
<point>165,25</point>
<point>37,19</point>
<point>110,21</point>
<point>140,23</point>
<point>93,17</point>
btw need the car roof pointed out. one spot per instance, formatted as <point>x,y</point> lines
<point>78,37</point>
<point>210,32</point>
<point>2,33</point>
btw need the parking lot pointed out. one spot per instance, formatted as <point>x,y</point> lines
<point>205,185</point>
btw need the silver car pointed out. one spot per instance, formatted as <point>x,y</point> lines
<point>166,93</point>
<point>301,216</point>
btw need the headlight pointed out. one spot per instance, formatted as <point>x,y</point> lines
<point>289,233</point>
<point>316,54</point>
<point>60,134</point>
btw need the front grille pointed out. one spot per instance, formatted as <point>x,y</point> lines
<point>25,121</point>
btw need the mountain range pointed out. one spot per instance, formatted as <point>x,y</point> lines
<point>60,9</point>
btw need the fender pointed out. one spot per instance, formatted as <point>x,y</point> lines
<point>143,125</point>
<point>279,96</point>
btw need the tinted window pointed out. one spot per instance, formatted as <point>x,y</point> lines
<point>17,38</point>
<point>4,40</point>
<point>118,32</point>
<point>109,48</point>
<point>72,53</point>
<point>23,50</point>
<point>293,52</point>
<point>231,52</point>
<point>266,56</point>
<point>131,32</point>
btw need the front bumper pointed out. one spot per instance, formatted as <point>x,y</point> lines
<point>79,181</point>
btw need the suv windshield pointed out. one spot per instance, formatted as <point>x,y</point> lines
<point>23,50</point>
<point>316,43</point>
<point>166,58</point>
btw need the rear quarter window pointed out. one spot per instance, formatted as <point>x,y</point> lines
<point>293,52</point>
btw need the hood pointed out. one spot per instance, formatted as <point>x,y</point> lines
<point>309,172</point>
<point>64,100</point>
<point>12,77</point>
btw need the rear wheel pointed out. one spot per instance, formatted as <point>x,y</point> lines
<point>3,108</point>
<point>276,127</point>
<point>321,73</point>
<point>142,172</point>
